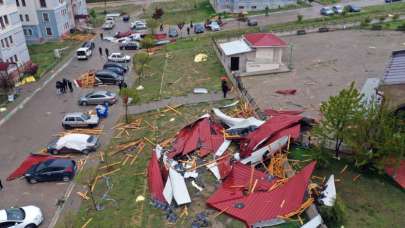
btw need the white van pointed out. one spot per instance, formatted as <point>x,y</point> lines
<point>83,53</point>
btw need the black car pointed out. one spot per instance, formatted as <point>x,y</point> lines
<point>125,18</point>
<point>115,64</point>
<point>252,22</point>
<point>199,28</point>
<point>89,44</point>
<point>116,70</point>
<point>108,77</point>
<point>129,46</point>
<point>52,170</point>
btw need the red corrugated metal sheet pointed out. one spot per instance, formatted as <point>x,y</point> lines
<point>202,134</point>
<point>240,176</point>
<point>263,206</point>
<point>155,180</point>
<point>31,160</point>
<point>224,167</point>
<point>399,174</point>
<point>264,40</point>
<point>265,131</point>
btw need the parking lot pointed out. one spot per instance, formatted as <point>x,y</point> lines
<point>31,128</point>
<point>325,63</point>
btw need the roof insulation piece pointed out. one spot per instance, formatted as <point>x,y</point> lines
<point>330,192</point>
<point>257,155</point>
<point>179,187</point>
<point>236,123</point>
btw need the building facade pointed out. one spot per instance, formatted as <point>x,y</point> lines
<point>44,20</point>
<point>237,6</point>
<point>13,47</point>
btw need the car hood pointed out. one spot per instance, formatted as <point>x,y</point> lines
<point>93,119</point>
<point>3,215</point>
<point>33,213</point>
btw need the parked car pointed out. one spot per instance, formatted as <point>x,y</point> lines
<point>83,53</point>
<point>115,64</point>
<point>98,97</point>
<point>116,70</point>
<point>161,42</point>
<point>199,28</point>
<point>338,9</point>
<point>121,40</point>
<point>52,170</point>
<point>214,26</point>
<point>108,25</point>
<point>79,119</point>
<point>252,22</point>
<point>389,1</point>
<point>353,8</point>
<point>130,46</point>
<point>172,32</point>
<point>119,57</point>
<point>122,34</point>
<point>73,143</point>
<point>109,18</point>
<point>21,217</point>
<point>108,77</point>
<point>125,18</point>
<point>139,25</point>
<point>135,37</point>
<point>327,11</point>
<point>89,44</point>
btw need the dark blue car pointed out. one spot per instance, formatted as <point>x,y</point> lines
<point>116,70</point>
<point>52,170</point>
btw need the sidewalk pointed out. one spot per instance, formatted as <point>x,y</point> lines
<point>183,100</point>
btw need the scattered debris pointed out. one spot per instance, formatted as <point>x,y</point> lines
<point>286,91</point>
<point>200,91</point>
<point>330,192</point>
<point>140,198</point>
<point>140,87</point>
<point>200,58</point>
<point>87,223</point>
<point>105,196</point>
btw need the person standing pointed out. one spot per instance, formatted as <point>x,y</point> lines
<point>188,30</point>
<point>70,85</point>
<point>224,87</point>
<point>58,88</point>
<point>191,24</point>
<point>101,36</point>
<point>161,27</point>
<point>64,84</point>
<point>1,185</point>
<point>106,52</point>
<point>100,50</point>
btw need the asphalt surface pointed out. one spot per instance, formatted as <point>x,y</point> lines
<point>32,127</point>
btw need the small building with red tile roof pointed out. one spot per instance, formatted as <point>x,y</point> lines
<point>254,53</point>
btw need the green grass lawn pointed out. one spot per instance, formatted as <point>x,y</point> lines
<point>328,2</point>
<point>182,11</point>
<point>371,201</point>
<point>43,54</point>
<point>180,73</point>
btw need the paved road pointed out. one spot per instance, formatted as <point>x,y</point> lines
<point>31,128</point>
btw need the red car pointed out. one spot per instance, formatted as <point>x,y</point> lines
<point>122,34</point>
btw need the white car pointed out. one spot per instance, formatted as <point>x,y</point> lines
<point>23,217</point>
<point>119,58</point>
<point>74,143</point>
<point>83,53</point>
<point>135,37</point>
<point>122,40</point>
<point>338,9</point>
<point>139,25</point>
<point>214,26</point>
<point>108,25</point>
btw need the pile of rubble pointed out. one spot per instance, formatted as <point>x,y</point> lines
<point>248,158</point>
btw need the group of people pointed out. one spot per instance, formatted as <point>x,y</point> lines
<point>63,86</point>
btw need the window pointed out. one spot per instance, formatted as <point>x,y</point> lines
<point>25,32</point>
<point>23,3</point>
<point>29,32</point>
<point>21,17</point>
<point>2,23</point>
<point>11,39</point>
<point>253,7</point>
<point>17,3</point>
<point>27,17</point>
<point>49,31</point>
<point>2,44</point>
<point>7,44</point>
<point>15,58</point>
<point>45,16</point>
<point>241,7</point>
<point>6,19</point>
<point>42,3</point>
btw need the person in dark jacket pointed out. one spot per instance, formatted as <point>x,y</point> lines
<point>107,52</point>
<point>188,30</point>
<point>225,88</point>
<point>70,85</point>
<point>101,36</point>
<point>58,87</point>
<point>65,85</point>
<point>1,185</point>
<point>100,50</point>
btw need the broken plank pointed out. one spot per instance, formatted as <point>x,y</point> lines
<point>87,223</point>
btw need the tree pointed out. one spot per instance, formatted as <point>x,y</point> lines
<point>339,114</point>
<point>158,13</point>
<point>141,61</point>
<point>128,96</point>
<point>267,11</point>
<point>153,24</point>
<point>93,15</point>
<point>147,42</point>
<point>300,17</point>
<point>7,82</point>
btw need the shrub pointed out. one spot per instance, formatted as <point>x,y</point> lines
<point>334,216</point>
<point>395,17</point>
<point>401,27</point>
<point>376,27</point>
<point>300,18</point>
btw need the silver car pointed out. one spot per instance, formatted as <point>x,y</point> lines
<point>80,119</point>
<point>98,97</point>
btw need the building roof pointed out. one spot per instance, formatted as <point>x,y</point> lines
<point>395,71</point>
<point>264,40</point>
<point>235,47</point>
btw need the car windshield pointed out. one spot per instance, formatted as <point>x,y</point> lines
<point>15,214</point>
<point>43,165</point>
<point>91,139</point>
<point>85,116</point>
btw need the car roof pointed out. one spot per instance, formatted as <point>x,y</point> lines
<point>106,72</point>
<point>74,114</point>
<point>116,53</point>
<point>102,92</point>
<point>58,162</point>
<point>83,49</point>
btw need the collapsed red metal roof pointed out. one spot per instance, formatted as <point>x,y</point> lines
<point>31,160</point>
<point>155,180</point>
<point>275,124</point>
<point>261,206</point>
<point>264,40</point>
<point>203,134</point>
<point>398,174</point>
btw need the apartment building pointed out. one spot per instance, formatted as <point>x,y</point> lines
<point>13,47</point>
<point>237,6</point>
<point>44,20</point>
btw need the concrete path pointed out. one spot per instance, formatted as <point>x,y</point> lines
<point>183,100</point>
